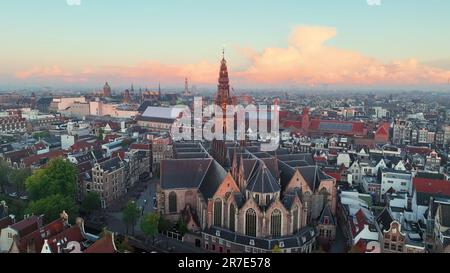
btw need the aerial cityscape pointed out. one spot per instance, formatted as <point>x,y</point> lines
<point>231,127</point>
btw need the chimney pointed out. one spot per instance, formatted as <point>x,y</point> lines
<point>59,247</point>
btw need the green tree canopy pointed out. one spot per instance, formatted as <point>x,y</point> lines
<point>91,203</point>
<point>18,178</point>
<point>52,206</point>
<point>59,177</point>
<point>149,225</point>
<point>4,173</point>
<point>130,215</point>
<point>163,225</point>
<point>182,226</point>
<point>40,135</point>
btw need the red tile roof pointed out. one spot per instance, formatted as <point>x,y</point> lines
<point>36,238</point>
<point>418,150</point>
<point>27,226</point>
<point>140,146</point>
<point>28,161</point>
<point>6,222</point>
<point>104,245</point>
<point>72,234</point>
<point>432,186</point>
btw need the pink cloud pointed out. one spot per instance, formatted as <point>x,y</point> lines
<point>306,60</point>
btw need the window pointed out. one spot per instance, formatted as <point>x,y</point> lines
<point>275,223</point>
<point>393,247</point>
<point>173,202</point>
<point>218,213</point>
<point>257,198</point>
<point>386,245</point>
<point>295,219</point>
<point>326,220</point>
<point>250,223</point>
<point>400,248</point>
<point>267,199</point>
<point>232,217</point>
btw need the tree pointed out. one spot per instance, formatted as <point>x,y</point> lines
<point>149,225</point>
<point>101,134</point>
<point>59,177</point>
<point>40,135</point>
<point>91,203</point>
<point>18,178</point>
<point>131,215</point>
<point>4,173</point>
<point>276,249</point>
<point>163,225</point>
<point>182,227</point>
<point>52,206</point>
<point>125,246</point>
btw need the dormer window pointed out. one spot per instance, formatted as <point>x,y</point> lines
<point>257,198</point>
<point>281,244</point>
<point>252,242</point>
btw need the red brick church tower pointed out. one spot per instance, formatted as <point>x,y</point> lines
<point>223,98</point>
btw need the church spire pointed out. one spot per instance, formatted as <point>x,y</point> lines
<point>223,97</point>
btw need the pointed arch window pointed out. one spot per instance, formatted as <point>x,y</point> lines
<point>218,213</point>
<point>295,219</point>
<point>173,202</point>
<point>232,218</point>
<point>250,223</point>
<point>275,223</point>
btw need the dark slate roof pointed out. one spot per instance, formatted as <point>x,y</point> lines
<point>192,155</point>
<point>249,165</point>
<point>156,119</point>
<point>213,178</point>
<point>180,174</point>
<point>272,165</point>
<point>297,157</point>
<point>280,151</point>
<point>286,173</point>
<point>111,164</point>
<point>385,219</point>
<point>303,237</point>
<point>84,158</point>
<point>430,175</point>
<point>262,155</point>
<point>298,163</point>
<point>189,150</point>
<point>144,106</point>
<point>262,181</point>
<point>313,176</point>
<point>327,213</point>
<point>445,215</point>
<point>288,200</point>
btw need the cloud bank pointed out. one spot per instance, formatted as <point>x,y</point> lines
<point>306,60</point>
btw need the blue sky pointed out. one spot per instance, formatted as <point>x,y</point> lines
<point>119,32</point>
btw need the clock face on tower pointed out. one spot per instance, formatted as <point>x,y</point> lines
<point>224,106</point>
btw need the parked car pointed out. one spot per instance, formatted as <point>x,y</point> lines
<point>13,194</point>
<point>24,197</point>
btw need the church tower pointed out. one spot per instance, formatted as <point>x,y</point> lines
<point>106,90</point>
<point>222,99</point>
